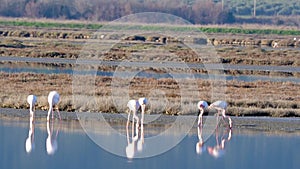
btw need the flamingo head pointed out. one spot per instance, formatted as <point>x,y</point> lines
<point>143,101</point>
<point>31,99</point>
<point>51,146</point>
<point>130,150</point>
<point>202,105</point>
<point>29,145</point>
<point>215,151</point>
<point>200,148</point>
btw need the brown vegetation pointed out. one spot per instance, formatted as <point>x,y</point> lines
<point>63,48</point>
<point>278,99</point>
<point>245,98</point>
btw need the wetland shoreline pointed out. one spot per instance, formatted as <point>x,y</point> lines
<point>267,125</point>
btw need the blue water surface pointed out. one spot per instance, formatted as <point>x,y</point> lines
<point>76,150</point>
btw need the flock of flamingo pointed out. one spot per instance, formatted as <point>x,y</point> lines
<point>137,138</point>
<point>53,99</point>
<point>51,143</point>
<point>220,106</point>
<point>134,106</point>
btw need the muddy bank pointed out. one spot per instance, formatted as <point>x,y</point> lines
<point>213,39</point>
<point>241,125</point>
<point>275,43</point>
<point>124,50</point>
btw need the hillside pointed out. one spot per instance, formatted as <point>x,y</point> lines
<point>275,12</point>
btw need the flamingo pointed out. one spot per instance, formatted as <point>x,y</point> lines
<point>131,147</point>
<point>31,99</point>
<point>221,106</point>
<point>202,105</point>
<point>142,102</point>
<point>53,99</point>
<point>133,106</point>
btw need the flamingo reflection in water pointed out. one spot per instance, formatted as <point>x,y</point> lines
<point>51,141</point>
<point>137,134</point>
<point>219,149</point>
<point>200,146</point>
<point>29,142</point>
<point>216,151</point>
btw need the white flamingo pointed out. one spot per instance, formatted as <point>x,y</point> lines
<point>31,99</point>
<point>142,102</point>
<point>53,99</point>
<point>221,106</point>
<point>202,105</point>
<point>133,106</point>
<point>137,135</point>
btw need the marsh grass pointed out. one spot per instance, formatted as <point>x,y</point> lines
<point>252,99</point>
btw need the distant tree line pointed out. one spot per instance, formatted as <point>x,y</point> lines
<point>264,7</point>
<point>195,11</point>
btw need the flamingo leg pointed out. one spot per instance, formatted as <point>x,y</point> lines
<point>52,113</point>
<point>136,117</point>
<point>200,118</point>
<point>49,112</point>
<point>229,119</point>
<point>127,130</point>
<point>58,114</point>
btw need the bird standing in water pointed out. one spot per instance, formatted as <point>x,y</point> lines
<point>31,99</point>
<point>202,105</point>
<point>221,106</point>
<point>53,100</point>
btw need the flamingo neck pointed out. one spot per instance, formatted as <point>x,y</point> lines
<point>50,109</point>
<point>31,108</point>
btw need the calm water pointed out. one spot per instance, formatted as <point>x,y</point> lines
<point>48,70</point>
<point>72,148</point>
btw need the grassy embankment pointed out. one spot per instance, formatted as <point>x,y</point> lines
<point>204,29</point>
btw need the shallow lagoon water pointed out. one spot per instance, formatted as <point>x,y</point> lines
<point>246,148</point>
<point>245,78</point>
